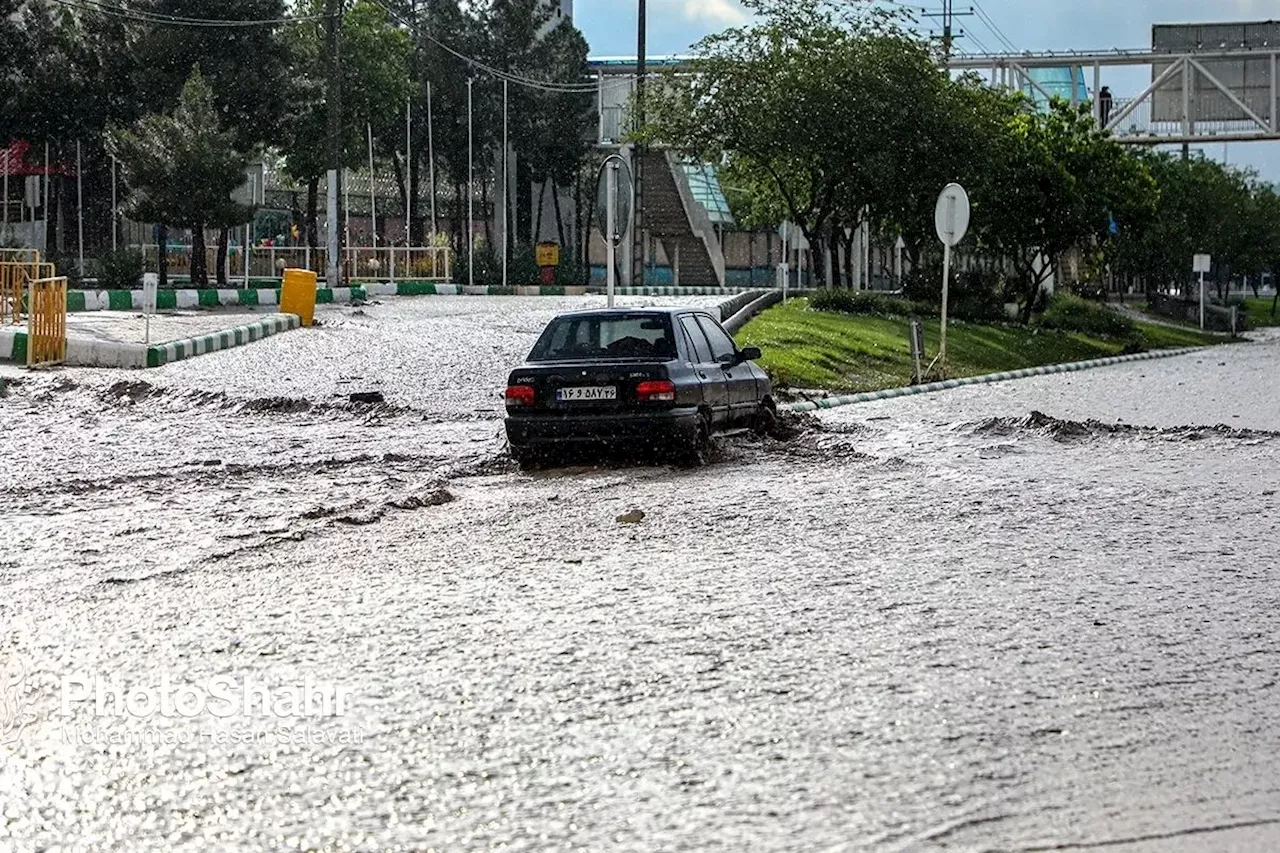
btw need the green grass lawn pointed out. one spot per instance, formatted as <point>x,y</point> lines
<point>851,353</point>
<point>1260,313</point>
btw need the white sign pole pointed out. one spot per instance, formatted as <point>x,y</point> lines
<point>951,220</point>
<point>946,280</point>
<point>1202,264</point>
<point>150,281</point>
<point>611,225</point>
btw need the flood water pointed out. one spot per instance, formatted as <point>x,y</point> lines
<point>1038,615</point>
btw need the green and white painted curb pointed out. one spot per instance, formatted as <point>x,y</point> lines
<point>159,354</point>
<point>13,345</point>
<point>987,379</point>
<point>89,352</point>
<point>131,300</point>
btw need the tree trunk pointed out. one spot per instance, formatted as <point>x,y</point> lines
<point>537,222</point>
<point>402,186</point>
<point>848,261</point>
<point>578,243</point>
<point>484,214</point>
<point>313,200</point>
<point>459,231</point>
<point>555,201</point>
<point>816,270</point>
<point>199,265</point>
<point>220,261</point>
<point>162,262</point>
<point>413,217</point>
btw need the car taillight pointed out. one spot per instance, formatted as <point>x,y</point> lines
<point>519,395</point>
<point>661,390</point>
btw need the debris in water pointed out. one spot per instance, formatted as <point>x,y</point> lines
<point>635,516</point>
<point>432,498</point>
<point>368,398</point>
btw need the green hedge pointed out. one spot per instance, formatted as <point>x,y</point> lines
<point>1068,313</point>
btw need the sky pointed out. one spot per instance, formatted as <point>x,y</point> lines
<point>610,28</point>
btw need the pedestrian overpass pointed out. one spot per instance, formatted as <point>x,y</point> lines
<point>1194,95</point>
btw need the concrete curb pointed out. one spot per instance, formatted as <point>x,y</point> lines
<point>13,345</point>
<point>131,300</point>
<point>88,352</point>
<point>225,339</point>
<point>987,379</point>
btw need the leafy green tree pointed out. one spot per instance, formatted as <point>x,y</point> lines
<point>181,167</point>
<point>805,100</point>
<point>1058,183</point>
<point>375,86</point>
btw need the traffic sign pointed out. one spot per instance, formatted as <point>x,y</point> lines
<point>1202,263</point>
<point>622,194</point>
<point>951,217</point>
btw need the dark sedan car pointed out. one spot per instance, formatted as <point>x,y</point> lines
<point>668,378</point>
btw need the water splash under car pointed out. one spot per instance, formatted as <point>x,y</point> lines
<point>668,379</point>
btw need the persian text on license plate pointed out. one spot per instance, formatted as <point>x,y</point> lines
<point>587,393</point>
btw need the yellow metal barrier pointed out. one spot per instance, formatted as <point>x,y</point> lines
<point>47,321</point>
<point>29,256</point>
<point>14,276</point>
<point>298,295</point>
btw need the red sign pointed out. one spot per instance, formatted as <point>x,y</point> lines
<point>17,161</point>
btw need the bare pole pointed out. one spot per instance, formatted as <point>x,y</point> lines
<point>431,163</point>
<point>333,97</point>
<point>79,209</point>
<point>408,170</point>
<point>373,201</point>
<point>638,220</point>
<point>506,186</point>
<point>471,193</point>
<point>115,215</point>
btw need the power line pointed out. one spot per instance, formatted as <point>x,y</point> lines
<point>994,27</point>
<point>141,16</point>
<point>533,83</point>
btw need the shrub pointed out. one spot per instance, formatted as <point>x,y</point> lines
<point>974,295</point>
<point>1069,313</point>
<point>120,270</point>
<point>866,302</point>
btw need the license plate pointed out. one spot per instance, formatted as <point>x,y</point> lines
<point>587,393</point>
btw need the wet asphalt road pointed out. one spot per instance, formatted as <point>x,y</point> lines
<point>1035,615</point>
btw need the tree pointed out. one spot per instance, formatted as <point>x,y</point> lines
<point>181,168</point>
<point>807,101</point>
<point>375,86</point>
<point>1058,184</point>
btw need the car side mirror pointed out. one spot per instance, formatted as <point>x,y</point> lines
<point>749,353</point>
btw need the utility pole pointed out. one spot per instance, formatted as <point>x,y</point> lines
<point>948,19</point>
<point>333,97</point>
<point>637,160</point>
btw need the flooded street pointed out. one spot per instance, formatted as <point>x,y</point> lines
<point>1037,615</point>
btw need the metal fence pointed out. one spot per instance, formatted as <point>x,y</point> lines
<point>360,263</point>
<point>1140,121</point>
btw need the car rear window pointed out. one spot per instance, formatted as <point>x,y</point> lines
<point>593,336</point>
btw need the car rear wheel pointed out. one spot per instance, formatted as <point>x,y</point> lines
<point>525,457</point>
<point>698,452</point>
<point>766,417</point>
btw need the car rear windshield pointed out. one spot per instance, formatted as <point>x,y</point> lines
<point>606,336</point>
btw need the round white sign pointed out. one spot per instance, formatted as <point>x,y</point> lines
<point>952,215</point>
